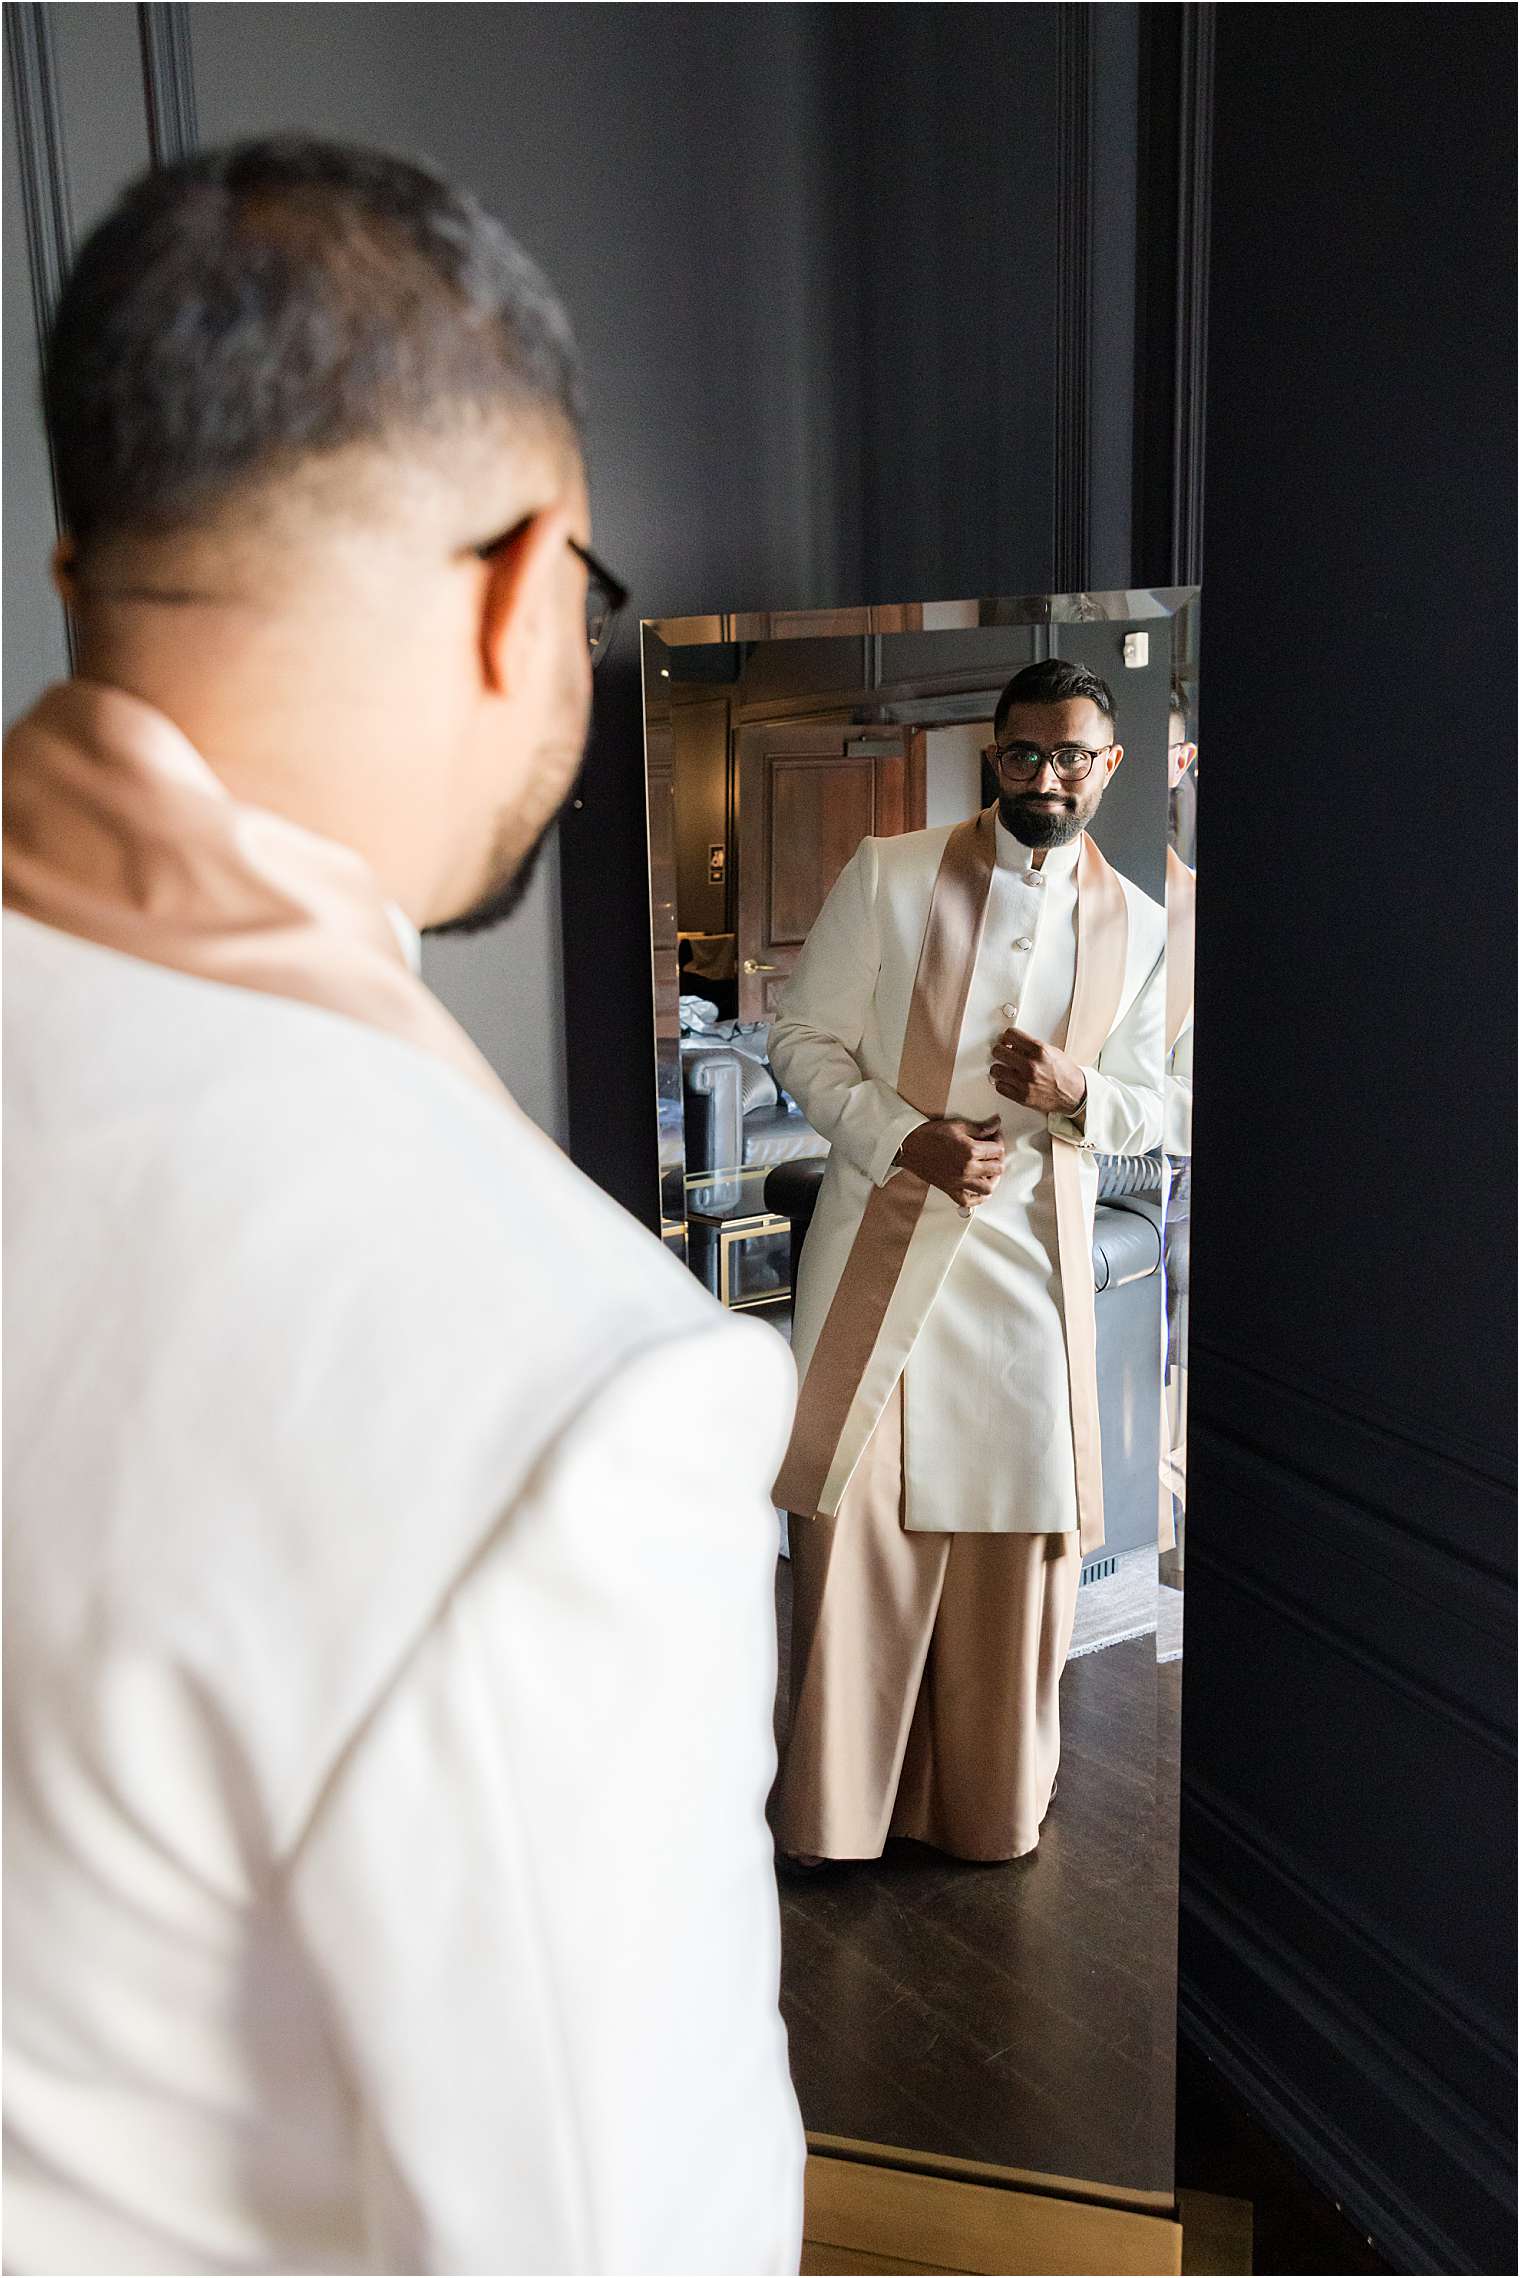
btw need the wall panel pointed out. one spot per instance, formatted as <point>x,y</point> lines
<point>1348,1721</point>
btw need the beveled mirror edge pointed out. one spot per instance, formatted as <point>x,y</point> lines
<point>1137,604</point>
<point>659,824</point>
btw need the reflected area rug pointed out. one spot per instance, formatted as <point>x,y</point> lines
<point>1128,1603</point>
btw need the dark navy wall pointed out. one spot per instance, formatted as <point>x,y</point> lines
<point>1348,1721</point>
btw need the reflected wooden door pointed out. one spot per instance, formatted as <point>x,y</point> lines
<point>807,797</point>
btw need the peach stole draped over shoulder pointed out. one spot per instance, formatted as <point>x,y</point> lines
<point>118,831</point>
<point>858,1357</point>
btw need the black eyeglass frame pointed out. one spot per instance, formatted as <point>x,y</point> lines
<point>612,591</point>
<point>1043,759</point>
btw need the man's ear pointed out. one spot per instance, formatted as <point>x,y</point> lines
<point>1114,757</point>
<point>520,593</point>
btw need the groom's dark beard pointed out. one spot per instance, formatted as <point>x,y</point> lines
<point>503,900</point>
<point>1038,827</point>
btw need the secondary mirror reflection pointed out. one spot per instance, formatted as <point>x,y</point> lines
<point>912,901</point>
<point>1181,897</point>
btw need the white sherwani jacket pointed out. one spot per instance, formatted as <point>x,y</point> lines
<point>389,1665</point>
<point>975,1325</point>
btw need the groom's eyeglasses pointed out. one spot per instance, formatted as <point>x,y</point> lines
<point>606,595</point>
<point>1021,763</point>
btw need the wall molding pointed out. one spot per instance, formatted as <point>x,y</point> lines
<point>1071,533</point>
<point>1195,164</point>
<point>1391,1465</point>
<point>168,80</point>
<point>1358,1570</point>
<point>42,163</point>
<point>1175,185</point>
<point>1287,1886</point>
<point>1474,1726</point>
<point>1411,1614</point>
<point>41,157</point>
<point>1436,2152</point>
<point>1362,2189</point>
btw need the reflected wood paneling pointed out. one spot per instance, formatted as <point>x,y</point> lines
<point>808,795</point>
<point>820,812</point>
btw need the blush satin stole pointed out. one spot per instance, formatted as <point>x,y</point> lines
<point>117,831</point>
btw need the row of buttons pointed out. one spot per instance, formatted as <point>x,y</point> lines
<point>1025,942</point>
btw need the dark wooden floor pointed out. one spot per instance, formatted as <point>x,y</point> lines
<point>1022,2014</point>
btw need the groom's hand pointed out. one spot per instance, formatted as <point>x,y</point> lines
<point>964,1160</point>
<point>1039,1076</point>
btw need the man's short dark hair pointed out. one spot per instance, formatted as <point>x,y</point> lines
<point>253,307</point>
<point>1179,702</point>
<point>1055,680</point>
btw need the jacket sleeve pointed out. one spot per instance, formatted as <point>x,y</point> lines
<point>1122,1114</point>
<point>822,1019</point>
<point>538,1893</point>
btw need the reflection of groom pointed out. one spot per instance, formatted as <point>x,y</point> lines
<point>977,1012</point>
<point>1180,907</point>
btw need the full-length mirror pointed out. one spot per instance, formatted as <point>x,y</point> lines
<point>1181,871</point>
<point>924,1045</point>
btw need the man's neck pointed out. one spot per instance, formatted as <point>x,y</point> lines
<point>320,756</point>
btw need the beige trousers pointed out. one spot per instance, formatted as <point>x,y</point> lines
<point>925,1676</point>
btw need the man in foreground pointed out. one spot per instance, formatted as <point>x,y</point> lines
<point>978,1011</point>
<point>388,1684</point>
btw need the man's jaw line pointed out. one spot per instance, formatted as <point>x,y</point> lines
<point>1046,816</point>
<point>499,902</point>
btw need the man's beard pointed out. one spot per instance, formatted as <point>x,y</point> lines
<point>504,900</point>
<point>1041,827</point>
<point>506,897</point>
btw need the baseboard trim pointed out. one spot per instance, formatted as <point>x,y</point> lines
<point>1288,1886</point>
<point>1335,2069</point>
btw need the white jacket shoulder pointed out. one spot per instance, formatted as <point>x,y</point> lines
<point>1147,917</point>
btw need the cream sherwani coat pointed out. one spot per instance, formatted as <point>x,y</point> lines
<point>975,1326</point>
<point>389,1663</point>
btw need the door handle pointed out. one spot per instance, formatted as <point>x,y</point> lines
<point>753,965</point>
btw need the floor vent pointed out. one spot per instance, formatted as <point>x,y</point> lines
<point>1100,1569</point>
